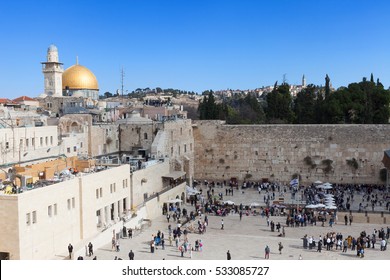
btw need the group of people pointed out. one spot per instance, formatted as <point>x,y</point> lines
<point>336,241</point>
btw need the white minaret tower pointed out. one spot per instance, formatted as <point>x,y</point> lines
<point>52,72</point>
<point>303,81</point>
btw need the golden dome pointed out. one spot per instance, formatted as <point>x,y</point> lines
<point>79,77</point>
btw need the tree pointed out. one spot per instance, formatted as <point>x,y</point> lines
<point>327,86</point>
<point>107,94</point>
<point>304,105</point>
<point>208,109</point>
<point>279,105</point>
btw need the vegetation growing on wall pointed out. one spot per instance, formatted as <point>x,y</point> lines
<point>327,165</point>
<point>308,161</point>
<point>353,163</point>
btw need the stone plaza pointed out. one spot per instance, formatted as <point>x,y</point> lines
<point>245,239</point>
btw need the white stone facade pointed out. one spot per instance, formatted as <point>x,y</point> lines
<point>40,223</point>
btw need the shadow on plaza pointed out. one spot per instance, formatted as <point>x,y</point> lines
<point>107,250</point>
<point>178,256</point>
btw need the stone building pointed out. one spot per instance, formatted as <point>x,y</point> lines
<point>40,223</point>
<point>175,141</point>
<point>137,134</point>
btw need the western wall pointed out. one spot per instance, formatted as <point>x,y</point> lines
<point>334,153</point>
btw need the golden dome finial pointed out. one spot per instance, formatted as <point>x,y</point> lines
<point>77,60</point>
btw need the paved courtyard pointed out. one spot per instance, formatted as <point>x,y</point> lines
<point>245,239</point>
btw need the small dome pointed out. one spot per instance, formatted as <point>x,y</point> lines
<point>52,48</point>
<point>79,77</point>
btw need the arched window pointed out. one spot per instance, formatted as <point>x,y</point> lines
<point>145,136</point>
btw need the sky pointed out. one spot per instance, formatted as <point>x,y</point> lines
<point>195,45</point>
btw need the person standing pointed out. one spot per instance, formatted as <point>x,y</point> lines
<point>222,224</point>
<point>350,219</point>
<point>131,255</point>
<point>280,247</point>
<point>319,246</point>
<point>345,245</point>
<point>130,232</point>
<point>267,251</point>
<point>346,219</point>
<point>181,250</point>
<point>70,250</point>
<point>90,249</point>
<point>228,255</point>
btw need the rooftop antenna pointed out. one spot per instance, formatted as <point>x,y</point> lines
<point>122,78</point>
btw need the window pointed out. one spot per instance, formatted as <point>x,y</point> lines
<point>97,193</point>
<point>47,141</point>
<point>68,150</point>
<point>55,209</point>
<point>114,187</point>
<point>68,204</point>
<point>81,144</point>
<point>7,145</point>
<point>41,141</point>
<point>185,148</point>
<point>73,202</point>
<point>191,147</point>
<point>49,211</point>
<point>33,142</point>
<point>28,219</point>
<point>101,192</point>
<point>179,150</point>
<point>110,188</point>
<point>51,140</point>
<point>34,217</point>
<point>26,142</point>
<point>171,151</point>
<point>21,143</point>
<point>49,105</point>
<point>145,136</point>
<point>74,148</point>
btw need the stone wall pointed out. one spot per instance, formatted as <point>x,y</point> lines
<point>23,144</point>
<point>277,152</point>
<point>104,139</point>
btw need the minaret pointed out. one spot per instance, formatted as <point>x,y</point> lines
<point>303,81</point>
<point>52,72</point>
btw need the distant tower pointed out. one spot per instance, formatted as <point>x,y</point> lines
<point>303,81</point>
<point>52,72</point>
